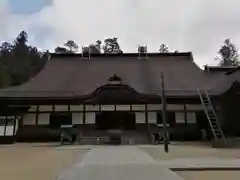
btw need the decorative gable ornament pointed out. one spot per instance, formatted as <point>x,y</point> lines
<point>115,79</point>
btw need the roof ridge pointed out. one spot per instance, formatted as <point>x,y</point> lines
<point>122,55</point>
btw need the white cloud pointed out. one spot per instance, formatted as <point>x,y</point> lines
<point>190,25</point>
<point>9,24</point>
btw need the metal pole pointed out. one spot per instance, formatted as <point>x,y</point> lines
<point>164,115</point>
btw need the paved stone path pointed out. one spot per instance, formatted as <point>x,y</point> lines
<point>118,163</point>
<point>131,162</point>
<point>117,155</point>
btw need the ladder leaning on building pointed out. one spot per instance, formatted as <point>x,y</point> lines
<point>212,117</point>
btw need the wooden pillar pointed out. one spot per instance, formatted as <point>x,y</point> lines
<point>5,126</point>
<point>14,125</point>
<point>185,113</point>
<point>146,115</point>
<point>20,123</point>
<point>84,114</point>
<point>69,112</point>
<point>53,108</point>
<point>37,115</point>
<point>69,108</point>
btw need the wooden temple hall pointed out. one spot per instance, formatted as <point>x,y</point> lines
<point>105,98</point>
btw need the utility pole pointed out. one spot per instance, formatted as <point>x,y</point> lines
<point>164,115</point>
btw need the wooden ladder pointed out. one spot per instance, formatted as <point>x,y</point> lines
<point>211,115</point>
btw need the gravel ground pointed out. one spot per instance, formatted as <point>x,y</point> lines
<point>196,151</point>
<point>47,161</point>
<point>28,162</point>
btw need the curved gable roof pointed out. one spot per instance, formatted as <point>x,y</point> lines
<point>71,75</point>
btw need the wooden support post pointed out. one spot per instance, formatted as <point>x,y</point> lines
<point>146,113</point>
<point>84,114</point>
<point>20,122</point>
<point>164,104</point>
<point>14,125</point>
<point>5,126</point>
<point>69,113</point>
<point>185,114</point>
<point>37,115</point>
<point>53,108</point>
<point>69,108</point>
<point>146,116</point>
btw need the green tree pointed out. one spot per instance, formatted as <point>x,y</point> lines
<point>95,48</point>
<point>6,47</point>
<point>228,54</point>
<point>72,46</point>
<point>111,46</point>
<point>19,61</point>
<point>22,38</point>
<point>60,50</point>
<point>5,78</point>
<point>142,49</point>
<point>163,49</point>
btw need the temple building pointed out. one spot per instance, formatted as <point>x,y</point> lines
<point>98,94</point>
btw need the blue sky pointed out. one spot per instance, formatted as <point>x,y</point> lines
<point>28,6</point>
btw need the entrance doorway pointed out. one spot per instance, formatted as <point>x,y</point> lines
<point>231,114</point>
<point>115,120</point>
<point>57,120</point>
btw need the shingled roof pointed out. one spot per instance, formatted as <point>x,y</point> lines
<point>72,75</point>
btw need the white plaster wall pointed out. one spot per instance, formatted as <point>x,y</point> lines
<point>179,116</point>
<point>10,127</point>
<point>77,118</point>
<point>9,130</point>
<point>92,107</point>
<point>44,119</point>
<point>61,108</point>
<point>46,108</point>
<point>138,107</point>
<point>90,118</point>
<point>198,107</point>
<point>140,117</point>
<point>152,117</point>
<point>194,107</point>
<point>173,107</point>
<point>33,109</point>
<point>1,130</point>
<point>107,107</point>
<point>191,118</point>
<point>154,106</point>
<point>76,107</point>
<point>123,107</point>
<point>29,119</point>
